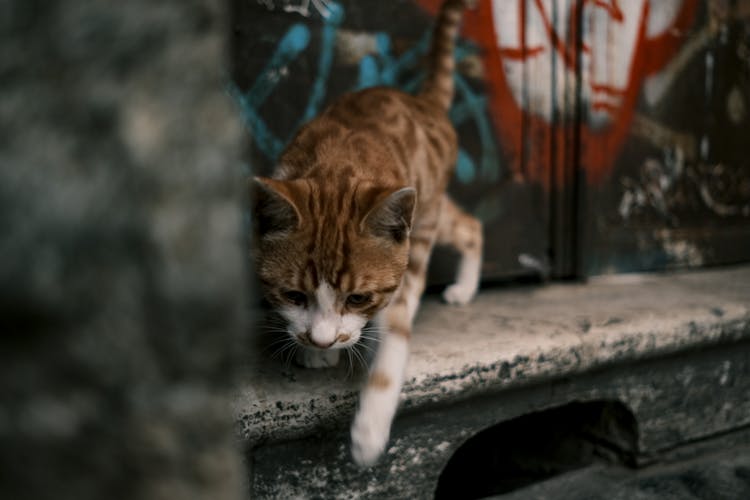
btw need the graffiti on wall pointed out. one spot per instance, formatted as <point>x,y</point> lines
<point>377,64</point>
<point>529,51</point>
<point>697,170</point>
<point>654,93</point>
<point>304,8</point>
<point>532,59</point>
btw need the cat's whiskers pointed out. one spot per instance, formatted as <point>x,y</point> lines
<point>365,346</point>
<point>371,334</point>
<point>275,331</point>
<point>350,368</point>
<point>281,340</point>
<point>273,327</point>
<point>373,338</point>
<point>358,355</point>
<point>290,355</point>
<point>289,347</point>
<point>373,329</point>
<point>281,349</point>
<point>370,344</point>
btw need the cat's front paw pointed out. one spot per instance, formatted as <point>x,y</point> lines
<point>459,294</point>
<point>369,437</point>
<point>317,359</point>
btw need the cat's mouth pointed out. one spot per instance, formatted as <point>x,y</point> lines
<point>341,341</point>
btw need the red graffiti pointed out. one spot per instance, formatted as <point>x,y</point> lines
<point>534,52</point>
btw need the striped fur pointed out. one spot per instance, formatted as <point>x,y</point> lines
<point>439,85</point>
<point>348,221</point>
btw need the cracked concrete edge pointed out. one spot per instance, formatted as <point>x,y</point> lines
<point>262,422</point>
<point>523,369</point>
<point>299,403</point>
<point>675,400</point>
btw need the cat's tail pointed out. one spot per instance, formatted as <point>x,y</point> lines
<point>438,87</point>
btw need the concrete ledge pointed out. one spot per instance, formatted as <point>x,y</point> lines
<point>510,338</point>
<point>671,351</point>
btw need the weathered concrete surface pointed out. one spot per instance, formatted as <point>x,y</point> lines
<point>674,349</point>
<point>669,409</point>
<point>510,338</point>
<point>121,278</point>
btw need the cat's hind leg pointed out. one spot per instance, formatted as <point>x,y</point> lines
<point>463,232</point>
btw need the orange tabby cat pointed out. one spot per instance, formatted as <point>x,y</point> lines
<point>347,223</point>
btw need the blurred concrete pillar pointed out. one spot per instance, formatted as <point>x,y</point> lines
<point>122,283</point>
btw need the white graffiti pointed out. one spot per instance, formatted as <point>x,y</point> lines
<point>668,187</point>
<point>538,47</point>
<point>301,7</point>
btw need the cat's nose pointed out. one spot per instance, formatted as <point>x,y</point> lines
<point>321,345</point>
<point>323,334</point>
<point>309,338</point>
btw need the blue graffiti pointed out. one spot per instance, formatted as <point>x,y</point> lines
<point>380,68</point>
<point>333,21</point>
<point>292,44</point>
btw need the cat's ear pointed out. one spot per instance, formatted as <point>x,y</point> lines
<point>275,206</point>
<point>392,214</point>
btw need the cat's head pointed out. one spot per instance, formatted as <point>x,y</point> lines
<point>330,255</point>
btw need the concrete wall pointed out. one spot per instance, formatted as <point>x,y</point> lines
<point>122,278</point>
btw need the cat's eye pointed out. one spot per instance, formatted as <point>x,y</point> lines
<point>358,299</point>
<point>295,297</point>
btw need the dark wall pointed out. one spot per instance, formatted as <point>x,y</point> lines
<point>596,136</point>
<point>121,280</point>
<point>678,189</point>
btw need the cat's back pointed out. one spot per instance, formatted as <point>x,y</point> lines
<point>388,111</point>
<point>408,138</point>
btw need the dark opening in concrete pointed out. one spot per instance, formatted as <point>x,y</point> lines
<point>540,445</point>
